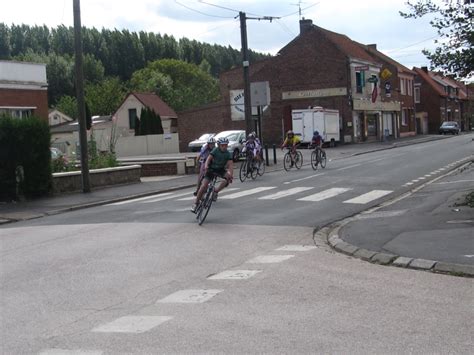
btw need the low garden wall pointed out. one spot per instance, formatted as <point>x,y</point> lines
<point>72,182</point>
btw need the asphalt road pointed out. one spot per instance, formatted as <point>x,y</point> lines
<point>141,276</point>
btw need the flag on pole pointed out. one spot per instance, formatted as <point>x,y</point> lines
<point>374,93</point>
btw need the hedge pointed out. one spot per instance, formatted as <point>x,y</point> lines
<point>24,142</point>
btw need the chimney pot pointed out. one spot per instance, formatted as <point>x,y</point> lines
<point>425,69</point>
<point>372,46</point>
<point>305,25</point>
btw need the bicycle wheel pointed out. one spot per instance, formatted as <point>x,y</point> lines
<point>243,171</point>
<point>261,167</point>
<point>298,160</point>
<point>322,158</point>
<point>206,206</point>
<point>253,170</point>
<point>314,160</point>
<point>287,162</point>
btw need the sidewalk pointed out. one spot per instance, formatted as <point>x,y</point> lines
<point>11,212</point>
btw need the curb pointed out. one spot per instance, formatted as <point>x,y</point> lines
<point>331,234</point>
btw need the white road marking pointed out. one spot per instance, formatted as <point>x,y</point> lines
<point>421,178</point>
<point>169,197</point>
<point>460,221</point>
<point>305,178</point>
<point>70,352</point>
<point>381,214</point>
<point>369,196</point>
<point>469,256</point>
<point>285,193</point>
<point>451,182</point>
<point>296,248</point>
<point>349,167</point>
<point>324,194</point>
<point>132,324</point>
<point>415,180</point>
<point>247,192</point>
<point>138,199</point>
<point>409,183</point>
<point>193,197</point>
<point>427,175</point>
<point>190,296</point>
<point>269,259</point>
<point>234,275</point>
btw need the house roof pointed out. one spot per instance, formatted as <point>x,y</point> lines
<point>462,94</point>
<point>400,67</point>
<point>346,45</point>
<point>154,102</point>
<point>429,80</point>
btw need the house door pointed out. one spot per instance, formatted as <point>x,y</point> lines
<point>371,127</point>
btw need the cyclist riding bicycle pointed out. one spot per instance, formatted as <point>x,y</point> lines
<point>203,154</point>
<point>317,140</point>
<point>220,163</point>
<point>291,142</point>
<point>252,144</point>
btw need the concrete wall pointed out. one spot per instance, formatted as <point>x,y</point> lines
<point>71,181</point>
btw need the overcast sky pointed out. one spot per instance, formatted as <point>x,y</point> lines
<point>213,21</point>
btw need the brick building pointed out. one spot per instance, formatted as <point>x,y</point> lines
<point>439,99</point>
<point>317,68</point>
<point>23,89</point>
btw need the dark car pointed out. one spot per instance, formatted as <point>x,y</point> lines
<point>449,127</point>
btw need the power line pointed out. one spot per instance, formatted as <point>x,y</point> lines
<point>411,45</point>
<point>200,12</point>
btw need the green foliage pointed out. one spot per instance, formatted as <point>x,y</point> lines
<point>24,143</point>
<point>453,21</point>
<point>68,105</point>
<point>99,160</point>
<point>150,123</point>
<point>181,85</point>
<point>105,97</point>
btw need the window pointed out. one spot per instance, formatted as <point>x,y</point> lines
<point>360,81</point>
<point>403,87</point>
<point>417,94</point>
<point>132,115</point>
<point>404,118</point>
<point>410,87</point>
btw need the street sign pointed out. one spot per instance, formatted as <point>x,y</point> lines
<point>259,93</point>
<point>361,68</point>
<point>372,79</point>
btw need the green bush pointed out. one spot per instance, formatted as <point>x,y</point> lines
<point>24,142</point>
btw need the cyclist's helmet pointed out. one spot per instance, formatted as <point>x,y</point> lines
<point>290,133</point>
<point>253,134</point>
<point>250,137</point>
<point>316,133</point>
<point>222,140</point>
<point>211,140</point>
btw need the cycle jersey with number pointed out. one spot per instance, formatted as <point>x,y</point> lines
<point>219,159</point>
<point>291,141</point>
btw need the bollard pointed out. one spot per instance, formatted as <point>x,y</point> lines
<point>266,155</point>
<point>274,154</point>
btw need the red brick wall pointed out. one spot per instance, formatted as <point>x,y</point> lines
<point>17,97</point>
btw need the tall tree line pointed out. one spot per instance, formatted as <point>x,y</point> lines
<point>121,52</point>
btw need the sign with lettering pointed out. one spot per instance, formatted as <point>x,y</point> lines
<point>305,94</point>
<point>361,68</point>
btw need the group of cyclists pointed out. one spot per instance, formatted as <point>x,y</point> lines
<point>217,160</point>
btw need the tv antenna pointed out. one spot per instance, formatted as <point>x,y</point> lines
<point>299,7</point>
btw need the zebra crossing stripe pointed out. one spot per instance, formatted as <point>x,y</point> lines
<point>325,194</point>
<point>369,196</point>
<point>193,197</point>
<point>169,197</point>
<point>246,192</point>
<point>285,193</point>
<point>138,199</point>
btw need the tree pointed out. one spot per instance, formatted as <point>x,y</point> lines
<point>105,97</point>
<point>453,20</point>
<point>68,105</point>
<point>5,47</point>
<point>181,85</point>
<point>150,123</point>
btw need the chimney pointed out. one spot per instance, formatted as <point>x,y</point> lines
<point>425,69</point>
<point>372,46</point>
<point>305,25</point>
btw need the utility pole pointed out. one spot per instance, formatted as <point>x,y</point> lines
<point>80,96</point>
<point>246,64</point>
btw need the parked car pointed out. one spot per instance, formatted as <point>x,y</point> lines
<point>195,145</point>
<point>55,153</point>
<point>449,127</point>
<point>236,140</point>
